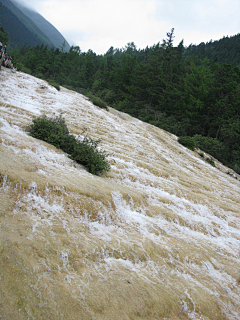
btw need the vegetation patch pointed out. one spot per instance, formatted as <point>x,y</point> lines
<point>54,131</point>
<point>211,161</point>
<point>201,154</point>
<point>188,142</point>
<point>188,92</point>
<point>211,145</point>
<point>54,84</point>
<point>22,68</point>
<point>97,101</point>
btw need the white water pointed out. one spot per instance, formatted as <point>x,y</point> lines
<point>163,223</point>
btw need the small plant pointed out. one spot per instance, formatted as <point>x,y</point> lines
<point>211,161</point>
<point>188,142</point>
<point>99,102</point>
<point>42,86</point>
<point>54,84</point>
<point>201,154</point>
<point>40,76</point>
<point>22,68</point>
<point>96,100</point>
<point>54,131</point>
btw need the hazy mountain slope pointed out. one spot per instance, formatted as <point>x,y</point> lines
<point>39,36</point>
<point>18,33</point>
<point>53,34</point>
<point>158,237</point>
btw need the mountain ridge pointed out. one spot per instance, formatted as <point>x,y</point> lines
<point>27,22</point>
<point>17,31</point>
<point>24,23</point>
<point>54,35</point>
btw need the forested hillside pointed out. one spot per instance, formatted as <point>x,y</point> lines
<point>225,50</point>
<point>196,98</point>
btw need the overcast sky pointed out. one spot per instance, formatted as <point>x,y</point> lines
<point>100,24</point>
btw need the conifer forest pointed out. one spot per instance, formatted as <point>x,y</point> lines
<point>192,92</point>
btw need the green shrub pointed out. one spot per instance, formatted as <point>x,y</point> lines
<point>21,67</point>
<point>236,168</point>
<point>188,142</point>
<point>211,161</point>
<point>54,131</point>
<point>95,100</point>
<point>86,153</point>
<point>40,76</point>
<point>54,84</point>
<point>99,102</point>
<point>212,146</point>
<point>201,154</point>
<point>107,95</point>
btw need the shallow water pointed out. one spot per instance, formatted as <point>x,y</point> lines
<point>158,237</point>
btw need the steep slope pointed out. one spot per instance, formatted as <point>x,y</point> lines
<point>52,33</point>
<point>18,33</point>
<point>18,22</point>
<point>157,237</point>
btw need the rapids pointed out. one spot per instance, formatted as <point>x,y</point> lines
<point>157,237</point>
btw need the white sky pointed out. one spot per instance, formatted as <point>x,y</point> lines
<point>100,24</point>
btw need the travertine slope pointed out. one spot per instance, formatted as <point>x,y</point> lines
<point>157,237</point>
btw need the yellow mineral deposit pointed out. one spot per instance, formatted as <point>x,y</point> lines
<point>157,237</point>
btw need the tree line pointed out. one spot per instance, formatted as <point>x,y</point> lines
<point>225,50</point>
<point>187,96</point>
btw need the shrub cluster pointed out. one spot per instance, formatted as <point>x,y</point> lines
<point>97,101</point>
<point>54,131</point>
<point>188,142</point>
<point>210,145</point>
<point>22,68</point>
<point>211,161</point>
<point>54,84</point>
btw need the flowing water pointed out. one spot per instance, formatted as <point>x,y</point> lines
<point>157,237</point>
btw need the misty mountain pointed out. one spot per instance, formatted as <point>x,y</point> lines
<point>53,34</point>
<point>18,32</point>
<point>19,26</point>
<point>23,30</point>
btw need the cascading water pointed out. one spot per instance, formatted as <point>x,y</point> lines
<point>157,237</point>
